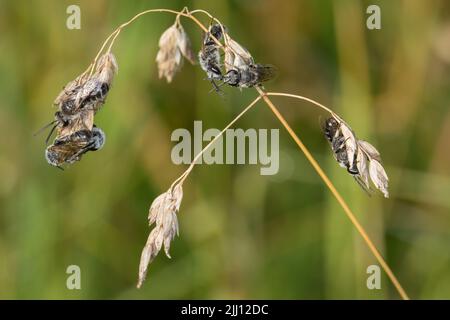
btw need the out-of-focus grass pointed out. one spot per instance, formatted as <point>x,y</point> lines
<point>242,235</point>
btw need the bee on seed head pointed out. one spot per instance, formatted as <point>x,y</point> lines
<point>84,94</point>
<point>250,76</point>
<point>209,56</point>
<point>348,160</point>
<point>333,133</point>
<point>70,148</point>
<point>90,94</point>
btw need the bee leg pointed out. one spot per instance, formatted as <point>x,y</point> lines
<point>216,88</point>
<point>60,168</point>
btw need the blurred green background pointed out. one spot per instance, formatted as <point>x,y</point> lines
<point>242,235</point>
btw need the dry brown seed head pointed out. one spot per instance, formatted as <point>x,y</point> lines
<point>370,150</point>
<point>107,67</point>
<point>184,43</point>
<point>363,170</point>
<point>379,177</point>
<point>163,213</point>
<point>174,43</point>
<point>367,157</point>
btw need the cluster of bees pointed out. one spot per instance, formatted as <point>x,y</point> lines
<point>240,69</point>
<point>80,99</point>
<point>77,104</point>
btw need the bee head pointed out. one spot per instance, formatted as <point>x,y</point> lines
<point>98,137</point>
<point>330,127</point>
<point>52,157</point>
<point>232,77</point>
<point>331,123</point>
<point>216,31</point>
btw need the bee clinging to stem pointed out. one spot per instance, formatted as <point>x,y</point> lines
<point>250,76</point>
<point>209,55</point>
<point>337,141</point>
<point>70,148</point>
<point>361,159</point>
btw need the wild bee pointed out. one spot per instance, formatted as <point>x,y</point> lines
<point>70,148</point>
<point>89,95</point>
<point>93,94</point>
<point>250,75</point>
<point>209,56</point>
<point>64,126</point>
<point>337,141</point>
<point>77,104</point>
<point>83,120</point>
<point>333,133</point>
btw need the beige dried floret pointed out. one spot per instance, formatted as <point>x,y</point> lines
<point>360,158</point>
<point>174,44</point>
<point>162,213</point>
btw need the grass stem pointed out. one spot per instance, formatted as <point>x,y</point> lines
<point>333,190</point>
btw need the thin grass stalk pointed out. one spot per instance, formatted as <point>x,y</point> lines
<point>336,194</point>
<point>185,174</point>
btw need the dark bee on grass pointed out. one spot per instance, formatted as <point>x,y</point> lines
<point>75,97</point>
<point>209,55</point>
<point>346,151</point>
<point>250,76</point>
<point>70,148</point>
<point>81,98</point>
<point>333,133</point>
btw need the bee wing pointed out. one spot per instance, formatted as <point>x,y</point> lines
<point>72,147</point>
<point>62,152</point>
<point>266,72</point>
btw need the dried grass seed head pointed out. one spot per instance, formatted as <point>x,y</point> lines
<point>174,44</point>
<point>373,167</point>
<point>361,159</point>
<point>162,213</point>
<point>379,177</point>
<point>107,67</point>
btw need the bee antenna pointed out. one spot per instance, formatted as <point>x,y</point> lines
<point>50,134</point>
<point>43,128</point>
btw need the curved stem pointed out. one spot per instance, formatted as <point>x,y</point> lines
<point>333,190</point>
<point>184,13</point>
<point>301,98</point>
<point>113,36</point>
<point>185,174</point>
